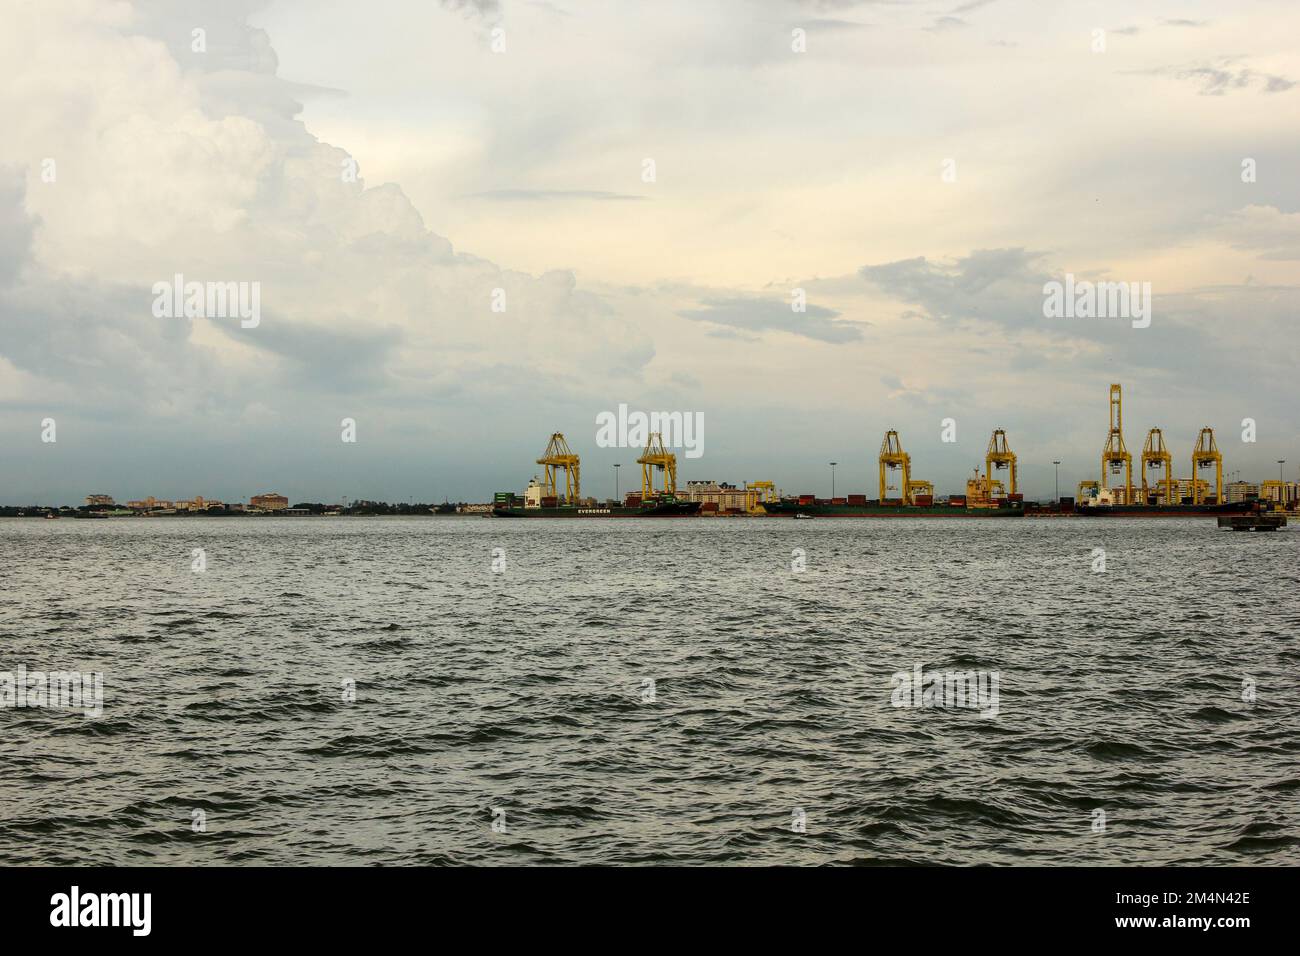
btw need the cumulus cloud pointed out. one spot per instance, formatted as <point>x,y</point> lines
<point>159,179</point>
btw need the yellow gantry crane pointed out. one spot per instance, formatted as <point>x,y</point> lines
<point>656,456</point>
<point>757,494</point>
<point>558,455</point>
<point>1155,455</point>
<point>893,456</point>
<point>1000,456</point>
<point>916,486</point>
<point>1115,454</point>
<point>1207,453</point>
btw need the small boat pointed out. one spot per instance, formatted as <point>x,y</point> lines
<point>800,514</point>
<point>51,514</point>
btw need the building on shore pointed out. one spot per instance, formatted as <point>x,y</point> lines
<point>100,501</point>
<point>1284,493</point>
<point>150,504</point>
<point>724,498</point>
<point>199,503</point>
<point>269,502</point>
<point>1235,491</point>
<point>1184,488</point>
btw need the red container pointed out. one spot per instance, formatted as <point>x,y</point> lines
<point>632,501</point>
<point>837,501</point>
<point>924,501</point>
<point>709,506</point>
<point>806,499</point>
<point>957,500</point>
<point>1016,497</point>
<point>857,499</point>
<point>549,501</point>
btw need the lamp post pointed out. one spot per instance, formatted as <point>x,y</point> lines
<point>616,468</point>
<point>1058,481</point>
<point>833,464</point>
<point>1280,463</point>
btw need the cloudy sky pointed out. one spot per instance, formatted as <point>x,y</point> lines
<point>127,157</point>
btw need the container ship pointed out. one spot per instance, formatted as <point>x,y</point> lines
<point>986,495</point>
<point>664,508</point>
<point>858,506</point>
<point>1099,510</point>
<point>542,499</point>
<point>1167,496</point>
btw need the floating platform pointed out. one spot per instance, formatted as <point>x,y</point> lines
<point>1264,521</point>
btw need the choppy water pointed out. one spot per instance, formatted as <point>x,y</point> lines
<point>525,690</point>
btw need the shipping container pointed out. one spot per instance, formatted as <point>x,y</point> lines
<point>1016,497</point>
<point>925,501</point>
<point>807,499</point>
<point>857,499</point>
<point>837,501</point>
<point>957,500</point>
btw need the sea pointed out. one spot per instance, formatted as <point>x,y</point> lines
<point>712,691</point>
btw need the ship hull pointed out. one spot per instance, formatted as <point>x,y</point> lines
<point>666,509</point>
<point>788,509</point>
<point>1165,511</point>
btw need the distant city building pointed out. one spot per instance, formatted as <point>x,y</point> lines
<point>725,496</point>
<point>1284,492</point>
<point>1235,491</point>
<point>99,500</point>
<point>1183,489</point>
<point>269,502</point>
<point>198,504</point>
<point>150,504</point>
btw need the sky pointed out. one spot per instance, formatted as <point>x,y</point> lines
<point>919,170</point>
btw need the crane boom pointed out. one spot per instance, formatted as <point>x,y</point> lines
<point>1114,454</point>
